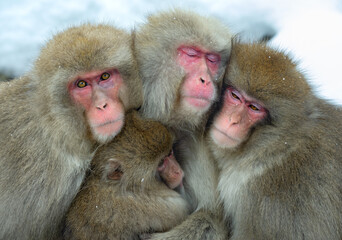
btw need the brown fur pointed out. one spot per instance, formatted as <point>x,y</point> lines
<point>138,202</point>
<point>285,181</point>
<point>46,145</point>
<point>156,44</point>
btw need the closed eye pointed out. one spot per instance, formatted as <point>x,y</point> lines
<point>212,58</point>
<point>189,51</point>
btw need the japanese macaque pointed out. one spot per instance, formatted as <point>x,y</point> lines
<point>52,120</point>
<point>278,147</point>
<point>181,57</point>
<point>124,196</point>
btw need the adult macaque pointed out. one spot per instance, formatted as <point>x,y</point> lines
<point>123,196</point>
<point>181,57</point>
<point>52,120</point>
<point>278,149</point>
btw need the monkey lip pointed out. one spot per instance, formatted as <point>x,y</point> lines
<point>200,102</point>
<point>110,127</point>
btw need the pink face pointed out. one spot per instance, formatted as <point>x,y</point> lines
<point>170,171</point>
<point>98,93</point>
<point>198,90</point>
<point>239,113</point>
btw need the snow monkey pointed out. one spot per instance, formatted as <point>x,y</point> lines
<point>181,57</point>
<point>123,196</point>
<point>52,120</point>
<point>278,148</point>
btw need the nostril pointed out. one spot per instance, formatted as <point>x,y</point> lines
<point>202,80</point>
<point>101,107</point>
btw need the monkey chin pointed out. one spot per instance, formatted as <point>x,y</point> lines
<point>222,140</point>
<point>105,132</point>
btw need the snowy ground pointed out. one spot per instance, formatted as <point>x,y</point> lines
<point>310,29</point>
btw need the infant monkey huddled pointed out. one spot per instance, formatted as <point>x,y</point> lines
<point>129,190</point>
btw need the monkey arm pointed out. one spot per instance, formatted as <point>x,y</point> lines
<point>202,225</point>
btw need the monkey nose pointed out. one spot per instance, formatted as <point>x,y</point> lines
<point>203,81</point>
<point>234,119</point>
<point>102,106</point>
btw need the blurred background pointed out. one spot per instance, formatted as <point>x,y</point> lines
<point>311,30</point>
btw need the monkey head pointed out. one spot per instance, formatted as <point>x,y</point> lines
<point>138,156</point>
<point>262,89</point>
<point>181,57</point>
<point>92,69</point>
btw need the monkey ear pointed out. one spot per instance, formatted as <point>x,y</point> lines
<point>114,171</point>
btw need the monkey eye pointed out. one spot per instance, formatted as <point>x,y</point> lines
<point>170,153</point>
<point>81,84</point>
<point>256,108</point>
<point>105,76</point>
<point>212,58</point>
<point>235,96</point>
<point>234,93</point>
<point>189,51</point>
<point>253,107</point>
<point>161,163</point>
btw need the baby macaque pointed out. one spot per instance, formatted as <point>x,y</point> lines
<point>129,190</point>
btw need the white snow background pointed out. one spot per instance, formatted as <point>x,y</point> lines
<point>311,30</point>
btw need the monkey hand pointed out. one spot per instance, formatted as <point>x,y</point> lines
<point>200,225</point>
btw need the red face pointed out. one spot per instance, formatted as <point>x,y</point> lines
<point>239,113</point>
<point>98,93</point>
<point>198,90</point>
<point>170,171</point>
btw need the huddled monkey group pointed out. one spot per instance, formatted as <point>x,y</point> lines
<point>174,130</point>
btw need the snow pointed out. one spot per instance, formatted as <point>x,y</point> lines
<point>311,30</point>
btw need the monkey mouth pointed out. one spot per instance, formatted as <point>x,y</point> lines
<point>199,102</point>
<point>109,128</point>
<point>223,139</point>
<point>108,122</point>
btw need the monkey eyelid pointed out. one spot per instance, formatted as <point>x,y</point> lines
<point>252,105</point>
<point>191,52</point>
<point>234,94</point>
<point>260,109</point>
<point>213,58</point>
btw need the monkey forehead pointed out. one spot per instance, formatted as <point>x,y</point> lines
<point>169,29</point>
<point>265,73</point>
<point>85,48</point>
